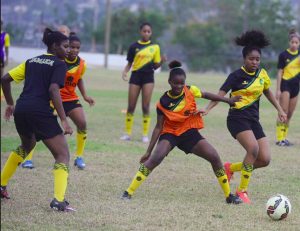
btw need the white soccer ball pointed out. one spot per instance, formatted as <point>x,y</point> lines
<point>278,207</point>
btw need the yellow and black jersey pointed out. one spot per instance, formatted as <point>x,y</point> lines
<point>250,86</point>
<point>289,62</point>
<point>73,66</point>
<point>143,56</point>
<point>177,103</point>
<point>38,72</point>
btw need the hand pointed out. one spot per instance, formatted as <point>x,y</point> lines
<point>9,111</point>
<point>124,76</point>
<point>144,157</point>
<point>277,95</point>
<point>66,127</point>
<point>163,59</point>
<point>90,100</point>
<point>282,116</point>
<point>203,112</point>
<point>234,99</point>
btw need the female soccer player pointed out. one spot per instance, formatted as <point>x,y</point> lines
<point>5,43</point>
<point>34,120</point>
<point>144,57</point>
<point>250,82</point>
<point>288,79</point>
<point>177,124</point>
<point>76,68</point>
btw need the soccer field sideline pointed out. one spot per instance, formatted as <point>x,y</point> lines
<point>181,194</point>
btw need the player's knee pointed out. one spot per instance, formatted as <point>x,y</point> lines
<point>266,161</point>
<point>253,150</point>
<point>82,126</point>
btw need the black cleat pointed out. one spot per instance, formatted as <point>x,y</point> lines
<point>126,196</point>
<point>233,199</point>
<point>4,193</point>
<point>61,206</point>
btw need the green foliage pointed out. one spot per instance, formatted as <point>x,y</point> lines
<point>125,28</point>
<point>202,42</point>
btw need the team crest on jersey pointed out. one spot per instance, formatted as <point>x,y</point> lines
<point>171,104</point>
<point>137,49</point>
<point>151,50</point>
<point>261,81</point>
<point>69,81</point>
<point>245,82</point>
<point>288,60</point>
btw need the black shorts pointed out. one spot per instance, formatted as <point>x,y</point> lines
<point>237,125</point>
<point>70,105</point>
<point>41,126</point>
<point>141,78</point>
<point>185,141</point>
<point>291,86</point>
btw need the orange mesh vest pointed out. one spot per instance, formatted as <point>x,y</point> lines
<point>68,93</point>
<point>179,122</point>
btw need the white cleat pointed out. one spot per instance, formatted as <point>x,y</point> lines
<point>125,137</point>
<point>145,139</point>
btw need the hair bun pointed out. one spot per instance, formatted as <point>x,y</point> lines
<point>174,64</point>
<point>252,38</point>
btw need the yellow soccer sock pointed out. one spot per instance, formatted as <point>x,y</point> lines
<point>29,157</point>
<point>223,181</point>
<point>61,173</point>
<point>129,123</point>
<point>146,124</point>
<point>81,140</point>
<point>245,177</point>
<point>286,129</point>
<point>14,160</point>
<point>138,179</point>
<point>236,167</point>
<point>280,130</point>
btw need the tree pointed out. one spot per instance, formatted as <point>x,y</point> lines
<point>203,44</point>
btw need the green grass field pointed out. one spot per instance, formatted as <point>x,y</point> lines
<point>181,194</point>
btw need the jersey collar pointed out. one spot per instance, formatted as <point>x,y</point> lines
<point>249,73</point>
<point>144,43</point>
<point>71,62</point>
<point>174,97</point>
<point>292,52</point>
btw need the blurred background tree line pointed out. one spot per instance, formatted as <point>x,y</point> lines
<point>198,32</point>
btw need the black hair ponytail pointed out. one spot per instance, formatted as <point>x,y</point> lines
<point>175,69</point>
<point>252,40</point>
<point>50,37</point>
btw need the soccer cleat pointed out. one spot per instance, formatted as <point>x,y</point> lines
<point>287,143</point>
<point>227,171</point>
<point>281,143</point>
<point>79,163</point>
<point>27,164</point>
<point>233,199</point>
<point>145,139</point>
<point>4,193</point>
<point>243,195</point>
<point>61,206</point>
<point>125,137</point>
<point>126,196</point>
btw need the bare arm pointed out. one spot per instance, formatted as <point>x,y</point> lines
<point>154,137</point>
<point>7,55</point>
<point>56,99</point>
<point>82,90</point>
<point>279,78</point>
<point>220,98</point>
<point>125,71</point>
<point>281,114</point>
<point>212,103</point>
<point>6,87</point>
<point>163,60</point>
